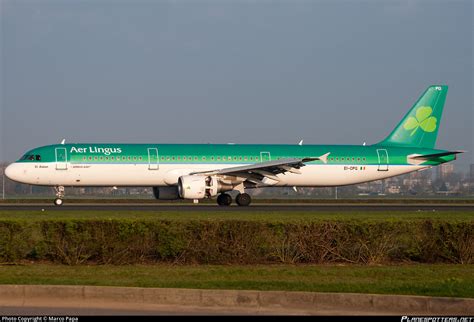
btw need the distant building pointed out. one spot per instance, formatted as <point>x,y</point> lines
<point>393,189</point>
<point>471,173</point>
<point>444,171</point>
<point>415,175</point>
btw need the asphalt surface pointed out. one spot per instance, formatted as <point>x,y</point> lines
<point>171,310</point>
<point>251,208</point>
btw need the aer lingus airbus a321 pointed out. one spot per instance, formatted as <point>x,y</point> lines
<point>196,171</point>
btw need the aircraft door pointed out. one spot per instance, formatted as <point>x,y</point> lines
<point>153,160</point>
<point>265,156</point>
<point>61,158</point>
<point>383,159</point>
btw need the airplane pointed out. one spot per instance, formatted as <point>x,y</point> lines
<point>198,171</point>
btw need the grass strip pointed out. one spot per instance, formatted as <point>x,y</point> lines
<point>428,280</point>
<point>257,215</point>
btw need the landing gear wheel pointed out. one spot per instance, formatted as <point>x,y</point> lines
<point>59,195</point>
<point>243,199</point>
<point>224,199</point>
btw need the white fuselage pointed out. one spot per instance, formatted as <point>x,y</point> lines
<point>87,174</point>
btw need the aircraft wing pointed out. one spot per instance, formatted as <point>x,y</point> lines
<point>257,172</point>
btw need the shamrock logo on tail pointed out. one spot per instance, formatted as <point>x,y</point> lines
<point>423,120</point>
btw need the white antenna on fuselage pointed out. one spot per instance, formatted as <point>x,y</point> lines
<point>63,141</point>
<point>301,142</point>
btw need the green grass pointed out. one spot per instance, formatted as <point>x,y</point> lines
<point>429,280</point>
<point>257,215</point>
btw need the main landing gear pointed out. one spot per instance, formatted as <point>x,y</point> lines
<point>242,199</point>
<point>59,195</point>
<point>224,199</point>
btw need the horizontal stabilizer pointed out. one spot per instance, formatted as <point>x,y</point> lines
<point>434,155</point>
<point>420,158</point>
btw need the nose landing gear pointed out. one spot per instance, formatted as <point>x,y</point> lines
<point>59,195</point>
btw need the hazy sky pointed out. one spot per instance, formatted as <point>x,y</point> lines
<point>328,72</point>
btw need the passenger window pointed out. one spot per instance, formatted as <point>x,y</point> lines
<point>134,158</point>
<point>140,158</point>
<point>38,157</point>
<point>112,158</point>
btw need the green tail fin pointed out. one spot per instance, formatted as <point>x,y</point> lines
<point>420,126</point>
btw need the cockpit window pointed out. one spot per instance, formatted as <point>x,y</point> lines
<point>31,157</point>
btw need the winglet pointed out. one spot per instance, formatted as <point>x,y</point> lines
<point>324,157</point>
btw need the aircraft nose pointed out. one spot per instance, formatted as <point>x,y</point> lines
<point>13,172</point>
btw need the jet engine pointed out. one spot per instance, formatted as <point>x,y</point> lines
<point>198,187</point>
<point>166,193</point>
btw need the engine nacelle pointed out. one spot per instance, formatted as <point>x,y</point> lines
<point>198,187</point>
<point>166,193</point>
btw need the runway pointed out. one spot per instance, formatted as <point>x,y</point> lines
<point>251,208</point>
